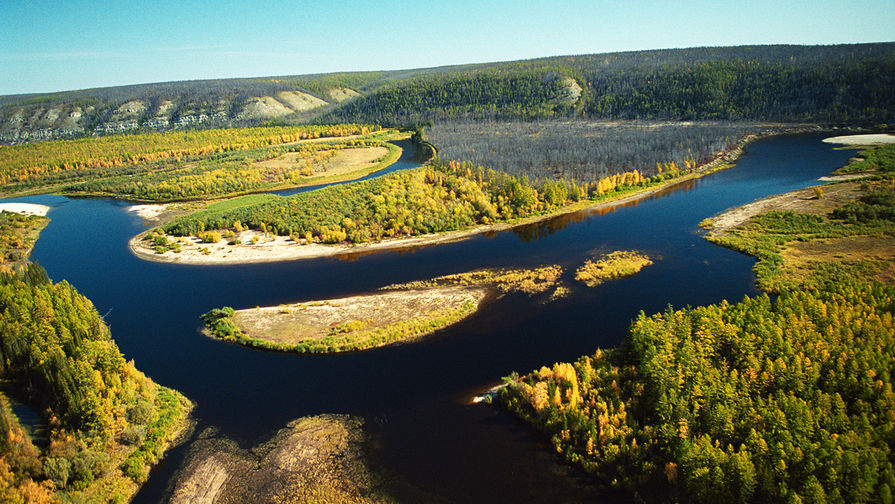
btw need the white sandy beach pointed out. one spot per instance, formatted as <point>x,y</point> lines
<point>25,208</point>
<point>875,139</point>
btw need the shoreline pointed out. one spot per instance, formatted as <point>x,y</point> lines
<point>282,249</point>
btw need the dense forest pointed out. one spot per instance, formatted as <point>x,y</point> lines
<point>827,84</point>
<point>583,150</point>
<point>836,84</point>
<point>761,401</point>
<point>441,196</point>
<point>767,400</point>
<point>102,422</point>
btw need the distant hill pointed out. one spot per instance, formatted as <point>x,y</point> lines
<point>853,84</point>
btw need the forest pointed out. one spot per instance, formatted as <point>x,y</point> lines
<point>783,399</point>
<point>177,165</point>
<point>774,83</point>
<point>760,401</point>
<point>841,84</point>
<point>441,196</point>
<point>584,150</point>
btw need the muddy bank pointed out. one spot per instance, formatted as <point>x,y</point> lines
<point>319,459</point>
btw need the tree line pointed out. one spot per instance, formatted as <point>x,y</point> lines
<point>441,196</point>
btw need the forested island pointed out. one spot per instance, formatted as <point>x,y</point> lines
<point>785,399</point>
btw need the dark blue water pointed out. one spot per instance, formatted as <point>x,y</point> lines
<point>415,396</point>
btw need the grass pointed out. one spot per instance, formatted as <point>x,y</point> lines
<point>790,244</point>
<point>351,336</point>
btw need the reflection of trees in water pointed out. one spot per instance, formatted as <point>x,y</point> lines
<point>547,227</point>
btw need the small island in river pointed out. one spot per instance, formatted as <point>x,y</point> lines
<point>618,264</point>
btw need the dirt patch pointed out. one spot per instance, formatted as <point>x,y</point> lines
<point>301,322</point>
<point>25,208</point>
<point>342,94</point>
<point>313,460</point>
<point>155,214</point>
<point>264,107</point>
<point>299,101</point>
<point>807,201</point>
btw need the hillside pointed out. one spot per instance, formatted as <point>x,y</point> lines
<point>829,84</point>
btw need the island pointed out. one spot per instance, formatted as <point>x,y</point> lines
<point>397,314</point>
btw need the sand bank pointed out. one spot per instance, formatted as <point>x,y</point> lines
<point>25,208</point>
<point>875,139</point>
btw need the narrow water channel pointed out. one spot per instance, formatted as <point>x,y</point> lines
<point>415,397</point>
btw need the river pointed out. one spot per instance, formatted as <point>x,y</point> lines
<point>416,397</point>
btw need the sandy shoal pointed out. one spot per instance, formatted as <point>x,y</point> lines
<point>875,139</point>
<point>25,208</point>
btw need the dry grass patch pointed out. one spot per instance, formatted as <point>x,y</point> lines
<point>356,316</point>
<point>807,201</point>
<point>801,257</point>
<point>319,459</point>
<point>335,164</point>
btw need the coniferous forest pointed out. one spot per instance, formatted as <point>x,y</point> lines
<point>784,399</point>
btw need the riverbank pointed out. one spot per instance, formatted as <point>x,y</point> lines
<point>840,225</point>
<point>257,247</point>
<point>824,250</point>
<point>25,208</point>
<point>858,140</point>
<point>317,459</point>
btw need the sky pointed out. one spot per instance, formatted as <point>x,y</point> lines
<point>48,46</point>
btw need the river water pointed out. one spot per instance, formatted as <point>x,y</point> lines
<point>416,397</point>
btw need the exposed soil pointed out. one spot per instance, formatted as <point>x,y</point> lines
<point>25,208</point>
<point>319,459</point>
<point>342,94</point>
<point>300,101</point>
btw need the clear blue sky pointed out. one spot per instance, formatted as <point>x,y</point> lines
<point>61,45</point>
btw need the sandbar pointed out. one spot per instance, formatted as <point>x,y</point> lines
<point>25,208</point>
<point>873,139</point>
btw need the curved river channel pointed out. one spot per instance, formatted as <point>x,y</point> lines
<point>416,397</point>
